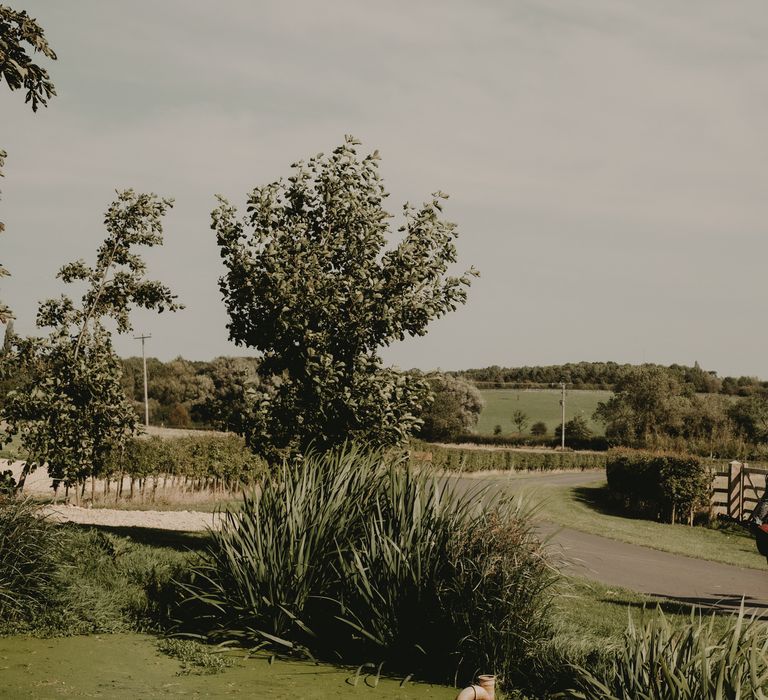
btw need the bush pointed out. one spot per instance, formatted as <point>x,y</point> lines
<point>29,547</point>
<point>659,661</point>
<point>664,486</point>
<point>354,557</point>
<point>576,431</point>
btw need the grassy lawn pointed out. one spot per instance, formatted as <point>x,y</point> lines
<point>540,405</point>
<point>592,612</point>
<point>584,508</point>
<point>130,666</point>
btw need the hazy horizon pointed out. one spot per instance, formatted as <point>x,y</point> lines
<point>606,161</point>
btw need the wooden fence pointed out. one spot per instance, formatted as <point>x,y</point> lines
<point>736,491</point>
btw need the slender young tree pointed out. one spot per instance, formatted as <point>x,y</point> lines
<point>71,411</point>
<point>311,283</point>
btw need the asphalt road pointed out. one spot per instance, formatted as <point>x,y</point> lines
<point>631,566</point>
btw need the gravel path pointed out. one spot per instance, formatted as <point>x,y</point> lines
<point>181,520</point>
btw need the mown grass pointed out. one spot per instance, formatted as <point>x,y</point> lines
<point>539,405</point>
<point>590,612</point>
<point>131,666</point>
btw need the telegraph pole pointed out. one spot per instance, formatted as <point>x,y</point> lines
<point>142,338</point>
<point>562,423</point>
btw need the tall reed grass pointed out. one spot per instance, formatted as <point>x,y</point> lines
<point>695,661</point>
<point>29,548</point>
<point>354,556</point>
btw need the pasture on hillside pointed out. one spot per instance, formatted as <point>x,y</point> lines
<point>539,405</point>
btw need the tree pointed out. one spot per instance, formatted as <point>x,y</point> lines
<point>750,416</point>
<point>311,284</point>
<point>454,409</point>
<point>520,420</point>
<point>72,412</point>
<point>649,402</point>
<point>229,403</point>
<point>178,416</point>
<point>19,34</point>
<point>576,429</point>
<point>539,428</point>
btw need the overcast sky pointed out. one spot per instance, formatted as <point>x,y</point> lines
<point>606,160</point>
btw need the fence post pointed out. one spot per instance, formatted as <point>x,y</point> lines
<point>735,498</point>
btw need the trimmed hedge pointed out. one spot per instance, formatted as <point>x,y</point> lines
<point>663,485</point>
<point>596,442</point>
<point>458,459</point>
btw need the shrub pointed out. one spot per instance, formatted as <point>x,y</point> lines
<point>29,548</point>
<point>355,557</point>
<point>662,485</point>
<point>539,428</point>
<point>659,661</point>
<point>576,431</point>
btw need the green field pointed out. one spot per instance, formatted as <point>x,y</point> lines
<point>539,405</point>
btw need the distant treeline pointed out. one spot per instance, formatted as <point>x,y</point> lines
<point>605,375</point>
<point>185,393</point>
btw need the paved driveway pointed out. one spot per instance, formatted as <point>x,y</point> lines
<point>631,566</point>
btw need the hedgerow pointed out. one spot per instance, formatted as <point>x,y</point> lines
<point>469,460</point>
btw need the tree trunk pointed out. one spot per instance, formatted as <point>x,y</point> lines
<point>22,478</point>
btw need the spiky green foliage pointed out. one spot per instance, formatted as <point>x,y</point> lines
<point>28,553</point>
<point>352,555</point>
<point>662,661</point>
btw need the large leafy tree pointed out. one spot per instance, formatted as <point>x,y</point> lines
<point>20,38</point>
<point>312,284</point>
<point>648,402</point>
<point>71,411</point>
<point>454,410</point>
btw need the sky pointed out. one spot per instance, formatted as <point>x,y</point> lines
<point>606,160</point>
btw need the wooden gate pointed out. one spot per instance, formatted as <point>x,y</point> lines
<point>736,491</point>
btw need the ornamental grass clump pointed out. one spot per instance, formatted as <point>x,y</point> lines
<point>29,548</point>
<point>352,556</point>
<point>661,661</point>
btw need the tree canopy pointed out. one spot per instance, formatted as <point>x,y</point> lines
<point>20,37</point>
<point>454,410</point>
<point>311,283</point>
